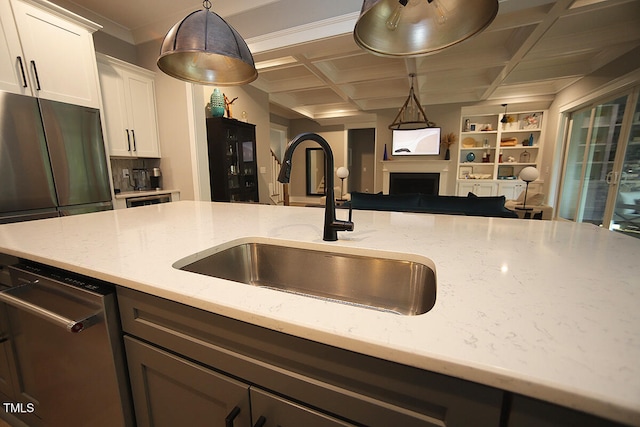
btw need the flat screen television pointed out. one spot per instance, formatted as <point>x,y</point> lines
<point>416,142</point>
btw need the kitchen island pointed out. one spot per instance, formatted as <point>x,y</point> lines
<point>544,309</point>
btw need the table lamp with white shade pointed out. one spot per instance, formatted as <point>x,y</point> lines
<point>342,173</point>
<point>528,174</point>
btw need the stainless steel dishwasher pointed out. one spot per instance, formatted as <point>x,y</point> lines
<point>66,349</point>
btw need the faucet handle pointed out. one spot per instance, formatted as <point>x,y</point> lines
<point>340,225</point>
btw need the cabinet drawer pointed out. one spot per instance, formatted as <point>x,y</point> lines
<point>348,385</point>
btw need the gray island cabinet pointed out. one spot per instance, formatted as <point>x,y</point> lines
<point>188,365</point>
<point>191,366</point>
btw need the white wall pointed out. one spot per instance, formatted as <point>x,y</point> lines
<point>173,124</point>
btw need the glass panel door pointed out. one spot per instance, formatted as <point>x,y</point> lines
<point>579,127</point>
<point>626,214</point>
<point>593,144</point>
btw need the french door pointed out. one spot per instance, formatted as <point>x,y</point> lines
<point>626,203</point>
<point>602,160</point>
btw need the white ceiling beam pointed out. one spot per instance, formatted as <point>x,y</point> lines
<point>554,14</point>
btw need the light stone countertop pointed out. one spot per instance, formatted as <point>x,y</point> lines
<point>546,309</point>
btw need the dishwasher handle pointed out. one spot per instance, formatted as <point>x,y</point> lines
<point>70,325</point>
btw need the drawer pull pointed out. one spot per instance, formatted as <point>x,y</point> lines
<point>228,422</point>
<point>261,421</point>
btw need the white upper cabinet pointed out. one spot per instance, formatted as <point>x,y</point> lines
<point>128,97</point>
<point>48,52</point>
<point>13,77</point>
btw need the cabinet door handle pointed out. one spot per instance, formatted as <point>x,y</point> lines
<point>228,421</point>
<point>24,75</point>
<point>261,421</point>
<point>133,134</point>
<point>35,73</point>
<point>128,140</point>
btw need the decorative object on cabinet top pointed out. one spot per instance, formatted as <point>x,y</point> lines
<point>216,103</point>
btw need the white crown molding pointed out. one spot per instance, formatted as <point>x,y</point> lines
<point>330,27</point>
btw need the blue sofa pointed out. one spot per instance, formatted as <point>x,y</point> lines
<point>470,205</point>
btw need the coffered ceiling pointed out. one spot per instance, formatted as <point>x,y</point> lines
<point>311,67</point>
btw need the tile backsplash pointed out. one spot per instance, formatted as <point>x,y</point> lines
<point>118,165</point>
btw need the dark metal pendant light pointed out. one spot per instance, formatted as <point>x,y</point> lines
<point>505,119</point>
<point>204,49</point>
<point>399,28</point>
<point>411,114</point>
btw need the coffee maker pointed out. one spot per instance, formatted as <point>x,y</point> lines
<point>154,178</point>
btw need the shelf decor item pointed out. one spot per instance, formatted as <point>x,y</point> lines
<point>448,140</point>
<point>342,173</point>
<point>465,171</point>
<point>227,105</point>
<point>528,175</point>
<point>216,103</point>
<point>531,122</point>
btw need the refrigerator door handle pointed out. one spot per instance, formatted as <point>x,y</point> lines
<point>24,75</point>
<point>35,73</point>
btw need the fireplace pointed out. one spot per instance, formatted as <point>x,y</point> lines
<point>429,169</point>
<point>414,182</point>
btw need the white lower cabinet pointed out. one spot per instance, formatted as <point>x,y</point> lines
<point>129,100</point>
<point>191,367</point>
<point>477,188</point>
<point>513,189</point>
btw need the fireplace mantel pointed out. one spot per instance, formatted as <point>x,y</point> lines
<point>417,166</point>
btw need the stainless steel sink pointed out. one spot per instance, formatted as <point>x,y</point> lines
<point>375,280</point>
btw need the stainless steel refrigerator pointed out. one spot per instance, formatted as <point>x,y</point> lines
<point>52,159</point>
